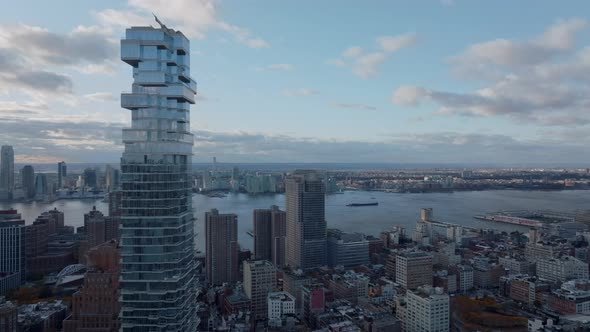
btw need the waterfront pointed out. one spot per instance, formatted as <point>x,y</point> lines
<point>393,209</point>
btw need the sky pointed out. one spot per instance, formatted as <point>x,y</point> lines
<point>425,81</point>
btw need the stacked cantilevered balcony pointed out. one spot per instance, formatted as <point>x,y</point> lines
<point>157,238</point>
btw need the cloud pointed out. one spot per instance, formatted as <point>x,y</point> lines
<point>366,64</point>
<point>411,147</point>
<point>556,39</point>
<point>101,96</point>
<point>40,47</point>
<point>354,106</point>
<point>391,44</point>
<point>300,92</point>
<point>280,66</point>
<point>543,80</point>
<point>195,18</point>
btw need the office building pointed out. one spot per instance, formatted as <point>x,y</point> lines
<point>41,187</point>
<point>62,172</point>
<point>280,304</point>
<point>427,309</point>
<point>464,275</point>
<point>426,214</point>
<point>269,235</point>
<point>157,232</point>
<point>8,316</point>
<point>260,278</point>
<point>413,269</point>
<point>6,171</point>
<point>112,177</point>
<point>306,222</point>
<point>221,243</point>
<point>347,249</point>
<point>262,233</point>
<point>27,175</point>
<point>12,244</point>
<point>90,178</point>
<point>95,307</point>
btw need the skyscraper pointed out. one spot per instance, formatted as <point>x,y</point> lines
<point>7,169</point>
<point>221,237</point>
<point>62,172</point>
<point>90,178</point>
<point>111,178</point>
<point>12,243</point>
<point>262,233</point>
<point>27,174</point>
<point>278,234</point>
<point>41,184</point>
<point>157,240</point>
<point>269,235</point>
<point>306,222</point>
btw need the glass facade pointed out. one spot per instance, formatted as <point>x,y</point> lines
<point>157,231</point>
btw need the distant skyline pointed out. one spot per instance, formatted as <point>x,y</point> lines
<point>426,81</point>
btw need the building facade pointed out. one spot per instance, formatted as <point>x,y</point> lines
<point>306,222</point>
<point>27,175</point>
<point>221,243</point>
<point>347,249</point>
<point>279,305</point>
<point>413,269</point>
<point>96,305</point>
<point>12,244</point>
<point>7,171</point>
<point>157,232</point>
<point>427,309</point>
<point>561,269</point>
<point>62,172</point>
<point>259,279</point>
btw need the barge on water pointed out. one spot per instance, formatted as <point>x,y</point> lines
<point>363,204</point>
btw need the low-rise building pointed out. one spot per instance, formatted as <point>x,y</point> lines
<point>280,304</point>
<point>561,269</point>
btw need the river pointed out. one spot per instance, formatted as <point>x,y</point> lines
<point>393,209</point>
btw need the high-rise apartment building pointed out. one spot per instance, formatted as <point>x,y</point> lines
<point>12,244</point>
<point>62,172</point>
<point>157,231</point>
<point>306,222</point>
<point>278,232</point>
<point>100,229</point>
<point>259,280</point>
<point>427,309</point>
<point>413,269</point>
<point>95,307</point>
<point>262,233</point>
<point>7,170</point>
<point>27,175</point>
<point>269,234</point>
<point>221,237</point>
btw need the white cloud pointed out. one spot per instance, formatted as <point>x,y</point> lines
<point>195,18</point>
<point>101,96</point>
<point>542,80</point>
<point>366,64</point>
<point>392,44</point>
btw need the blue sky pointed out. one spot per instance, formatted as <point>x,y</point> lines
<point>311,81</point>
